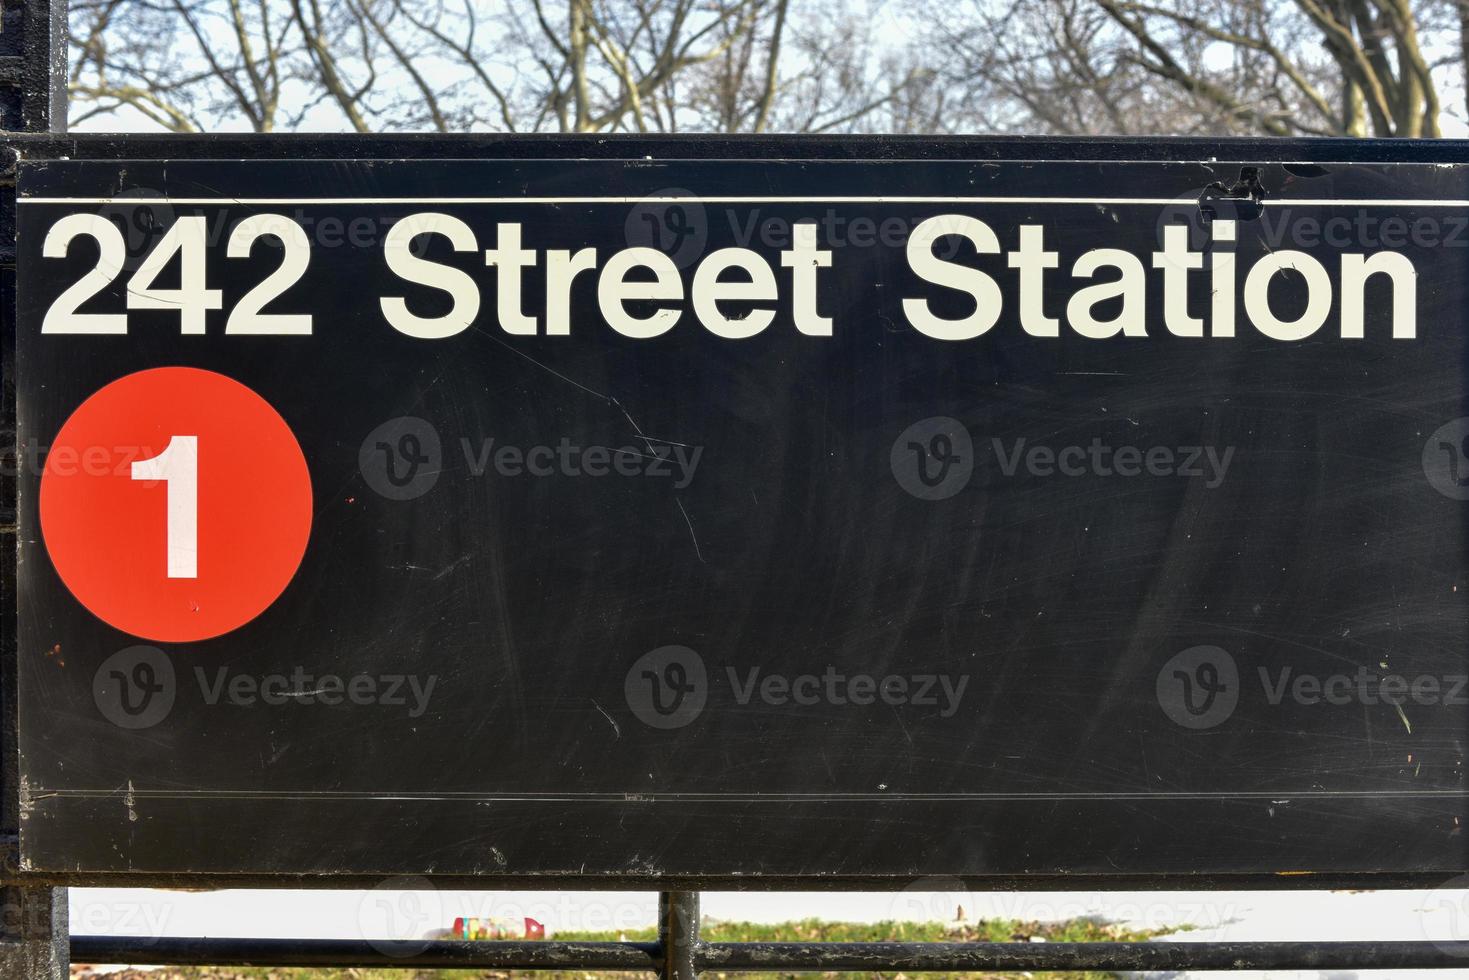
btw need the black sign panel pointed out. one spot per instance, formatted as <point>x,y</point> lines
<point>820,519</point>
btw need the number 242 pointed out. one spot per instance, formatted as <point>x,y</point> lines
<point>188,238</point>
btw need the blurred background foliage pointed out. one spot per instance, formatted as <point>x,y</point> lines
<point>1059,67</point>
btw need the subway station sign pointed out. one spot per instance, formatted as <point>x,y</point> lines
<point>812,519</point>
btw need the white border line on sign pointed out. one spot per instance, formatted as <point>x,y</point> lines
<point>1097,201</point>
<point>653,199</point>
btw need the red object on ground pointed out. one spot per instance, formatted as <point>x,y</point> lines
<point>492,928</point>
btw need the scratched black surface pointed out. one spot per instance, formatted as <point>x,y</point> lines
<point>792,549</point>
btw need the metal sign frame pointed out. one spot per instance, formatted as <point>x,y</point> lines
<point>34,940</point>
<point>41,147</point>
<point>36,905</point>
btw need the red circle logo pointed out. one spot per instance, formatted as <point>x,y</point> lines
<point>175,504</point>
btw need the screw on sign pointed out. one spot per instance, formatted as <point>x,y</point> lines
<point>191,512</point>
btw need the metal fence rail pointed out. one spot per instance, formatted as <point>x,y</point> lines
<point>783,957</point>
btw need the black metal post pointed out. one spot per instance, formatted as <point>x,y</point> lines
<point>34,929</point>
<point>35,934</point>
<point>678,935</point>
<point>33,66</point>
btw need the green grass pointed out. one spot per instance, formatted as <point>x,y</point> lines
<point>807,930</point>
